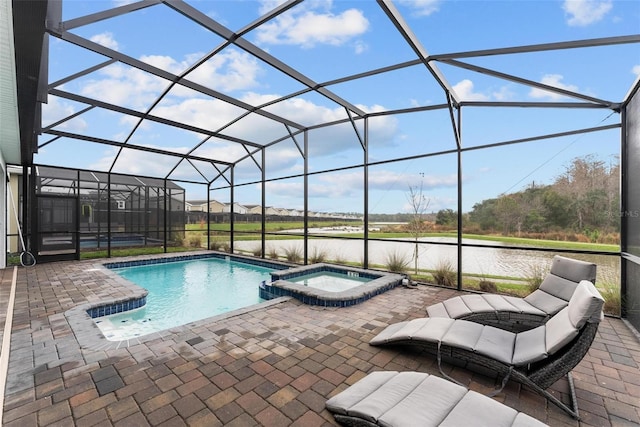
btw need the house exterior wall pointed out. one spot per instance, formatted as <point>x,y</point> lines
<point>215,207</point>
<point>5,213</point>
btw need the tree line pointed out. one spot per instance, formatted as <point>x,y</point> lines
<point>584,200</point>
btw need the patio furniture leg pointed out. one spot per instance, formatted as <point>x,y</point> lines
<point>573,410</point>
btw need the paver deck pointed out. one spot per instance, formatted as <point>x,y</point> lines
<point>274,366</point>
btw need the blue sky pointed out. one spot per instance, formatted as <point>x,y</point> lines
<point>327,40</point>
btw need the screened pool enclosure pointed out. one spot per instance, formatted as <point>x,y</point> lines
<point>502,142</point>
<point>79,210</point>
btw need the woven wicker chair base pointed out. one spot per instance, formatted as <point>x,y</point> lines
<point>509,321</point>
<point>346,420</point>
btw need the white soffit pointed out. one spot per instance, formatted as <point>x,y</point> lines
<point>9,129</point>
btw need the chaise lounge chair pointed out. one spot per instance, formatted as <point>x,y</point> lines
<point>519,314</point>
<point>397,399</point>
<point>537,357</point>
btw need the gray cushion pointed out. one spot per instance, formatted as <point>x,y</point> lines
<point>427,405</point>
<point>507,347</point>
<point>477,303</point>
<point>429,329</point>
<point>585,305</point>
<point>456,307</point>
<point>573,269</point>
<point>475,410</point>
<point>522,306</point>
<point>553,295</point>
<point>559,331</point>
<point>463,334</point>
<point>390,394</point>
<point>558,287</point>
<point>437,310</point>
<point>496,343</point>
<point>545,301</point>
<point>388,332</point>
<point>499,303</point>
<point>530,346</point>
<point>394,399</point>
<point>358,391</point>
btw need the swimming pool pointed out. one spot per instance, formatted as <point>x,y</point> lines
<point>117,241</point>
<point>181,292</point>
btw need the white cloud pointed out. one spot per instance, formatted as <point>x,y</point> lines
<point>105,39</point>
<point>278,158</point>
<point>126,86</point>
<point>554,80</point>
<point>386,180</point>
<point>166,63</point>
<point>422,7</point>
<point>464,90</point>
<point>636,70</point>
<point>231,70</point>
<point>349,184</point>
<point>56,109</point>
<point>308,27</point>
<point>585,12</point>
<point>221,150</point>
<point>284,189</point>
<point>503,94</point>
<point>208,114</point>
<point>269,5</point>
<point>281,158</point>
<point>213,114</point>
<point>128,122</point>
<point>228,71</point>
<point>122,2</point>
<point>360,47</point>
<point>146,163</point>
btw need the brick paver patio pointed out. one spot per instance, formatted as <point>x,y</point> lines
<point>274,366</point>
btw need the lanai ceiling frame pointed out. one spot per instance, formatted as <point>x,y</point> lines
<point>268,16</point>
<point>61,29</point>
<point>405,31</point>
<point>452,59</point>
<point>257,52</point>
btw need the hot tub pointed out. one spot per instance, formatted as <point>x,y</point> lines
<point>329,285</point>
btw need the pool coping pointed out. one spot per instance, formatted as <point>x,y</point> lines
<point>279,286</point>
<point>90,336</point>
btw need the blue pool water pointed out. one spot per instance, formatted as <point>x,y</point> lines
<point>183,292</point>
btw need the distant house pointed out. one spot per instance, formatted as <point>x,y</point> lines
<point>254,209</point>
<point>237,208</point>
<point>270,210</point>
<point>216,206</point>
<point>282,211</point>
<point>201,206</point>
<point>194,205</point>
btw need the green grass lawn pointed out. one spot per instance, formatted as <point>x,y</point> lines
<point>253,231</point>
